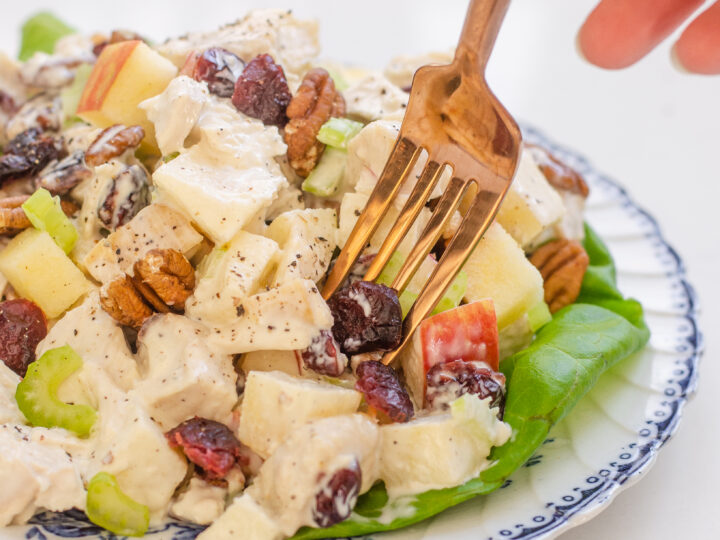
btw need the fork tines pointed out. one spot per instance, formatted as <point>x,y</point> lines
<point>490,191</point>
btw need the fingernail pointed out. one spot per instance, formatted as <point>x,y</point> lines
<point>675,60</point>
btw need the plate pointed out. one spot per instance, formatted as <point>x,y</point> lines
<point>609,440</point>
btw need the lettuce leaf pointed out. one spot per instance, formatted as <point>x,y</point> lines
<point>544,382</point>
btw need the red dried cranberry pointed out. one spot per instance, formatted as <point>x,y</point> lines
<point>367,317</point>
<point>262,92</point>
<point>28,153</point>
<point>337,495</point>
<point>323,355</point>
<point>383,391</point>
<point>210,445</point>
<point>219,68</point>
<point>22,327</point>
<point>447,382</point>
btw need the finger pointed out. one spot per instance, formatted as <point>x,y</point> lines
<point>618,33</point>
<point>698,49</point>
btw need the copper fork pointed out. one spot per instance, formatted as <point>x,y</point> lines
<point>456,119</point>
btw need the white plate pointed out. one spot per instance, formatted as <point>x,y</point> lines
<point>605,444</point>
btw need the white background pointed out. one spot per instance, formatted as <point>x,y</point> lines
<point>654,129</point>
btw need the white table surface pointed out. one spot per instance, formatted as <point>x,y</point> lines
<point>654,129</point>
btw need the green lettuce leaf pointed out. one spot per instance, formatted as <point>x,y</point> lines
<point>544,382</point>
<point>39,34</point>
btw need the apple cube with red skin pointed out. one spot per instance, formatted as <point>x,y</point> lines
<point>125,74</point>
<point>468,333</point>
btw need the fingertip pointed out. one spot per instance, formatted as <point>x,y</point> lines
<point>698,48</point>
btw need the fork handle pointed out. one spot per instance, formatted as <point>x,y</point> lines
<point>482,24</point>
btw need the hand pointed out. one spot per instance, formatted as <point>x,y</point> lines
<point>618,33</point>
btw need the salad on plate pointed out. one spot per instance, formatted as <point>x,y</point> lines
<point>168,213</point>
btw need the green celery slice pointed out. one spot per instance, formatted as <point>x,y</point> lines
<point>36,394</point>
<point>538,316</point>
<point>71,95</point>
<point>451,299</point>
<point>40,33</point>
<point>340,83</point>
<point>326,177</point>
<point>111,509</point>
<point>45,213</point>
<point>337,132</point>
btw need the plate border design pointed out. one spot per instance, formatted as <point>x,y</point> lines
<point>586,501</point>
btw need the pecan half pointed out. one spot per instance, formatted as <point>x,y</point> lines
<point>163,280</point>
<point>116,37</point>
<point>61,176</point>
<point>562,264</point>
<point>112,142</point>
<point>558,174</point>
<point>13,218</point>
<point>124,303</point>
<point>315,102</point>
<point>124,197</point>
<point>168,274</point>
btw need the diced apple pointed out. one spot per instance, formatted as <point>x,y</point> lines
<point>232,273</point>
<point>155,226</point>
<point>284,361</point>
<point>180,376</point>
<point>275,404</point>
<point>289,480</point>
<point>440,451</point>
<point>125,74</point>
<point>498,269</point>
<point>243,517</point>
<point>531,206</point>
<point>468,333</point>
<point>307,240</point>
<point>39,270</point>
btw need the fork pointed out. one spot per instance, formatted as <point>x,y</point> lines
<point>454,117</point>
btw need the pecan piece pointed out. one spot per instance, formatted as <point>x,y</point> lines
<point>112,142</point>
<point>163,280</point>
<point>61,176</point>
<point>315,102</point>
<point>124,197</point>
<point>116,37</point>
<point>557,173</point>
<point>169,274</point>
<point>562,264</point>
<point>13,218</point>
<point>124,303</point>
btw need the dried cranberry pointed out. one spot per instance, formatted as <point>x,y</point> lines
<point>28,153</point>
<point>323,355</point>
<point>337,495</point>
<point>447,382</point>
<point>383,391</point>
<point>219,68</point>
<point>22,327</point>
<point>367,317</point>
<point>210,445</point>
<point>262,92</point>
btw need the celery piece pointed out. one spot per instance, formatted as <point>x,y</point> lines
<point>36,394</point>
<point>324,180</point>
<point>450,299</point>
<point>170,157</point>
<point>46,214</point>
<point>108,507</point>
<point>40,33</point>
<point>538,316</point>
<point>340,83</point>
<point>71,95</point>
<point>454,294</point>
<point>337,132</point>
